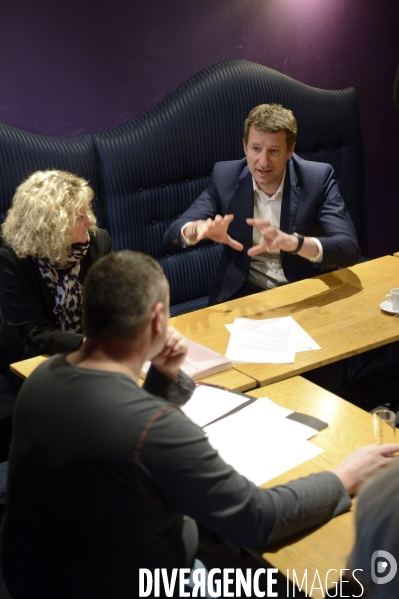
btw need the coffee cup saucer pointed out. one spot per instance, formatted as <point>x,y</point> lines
<point>387,307</point>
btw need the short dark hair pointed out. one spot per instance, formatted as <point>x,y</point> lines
<point>273,118</point>
<point>119,291</point>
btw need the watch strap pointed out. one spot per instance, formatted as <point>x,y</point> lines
<point>301,239</point>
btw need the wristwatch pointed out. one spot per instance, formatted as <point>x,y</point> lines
<point>301,239</point>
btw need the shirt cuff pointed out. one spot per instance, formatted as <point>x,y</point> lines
<point>319,257</point>
<point>184,239</point>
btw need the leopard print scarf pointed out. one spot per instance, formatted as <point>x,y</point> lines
<point>66,287</point>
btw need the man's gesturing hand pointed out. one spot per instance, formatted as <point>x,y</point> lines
<point>217,231</point>
<point>273,239</point>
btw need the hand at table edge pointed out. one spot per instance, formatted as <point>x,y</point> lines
<point>362,463</point>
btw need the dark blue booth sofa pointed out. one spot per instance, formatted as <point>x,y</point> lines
<point>147,172</point>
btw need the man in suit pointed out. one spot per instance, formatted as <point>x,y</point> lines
<point>280,218</point>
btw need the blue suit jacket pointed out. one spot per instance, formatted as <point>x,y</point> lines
<point>312,205</point>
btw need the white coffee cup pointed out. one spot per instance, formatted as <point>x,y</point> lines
<point>393,297</point>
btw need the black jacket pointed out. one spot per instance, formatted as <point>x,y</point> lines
<point>29,327</point>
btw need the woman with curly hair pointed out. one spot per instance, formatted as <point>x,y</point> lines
<point>50,241</point>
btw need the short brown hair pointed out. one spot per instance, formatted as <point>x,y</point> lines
<point>119,292</point>
<point>273,118</point>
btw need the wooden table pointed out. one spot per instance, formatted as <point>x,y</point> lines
<point>349,427</point>
<point>231,379</point>
<point>340,310</point>
<point>24,368</point>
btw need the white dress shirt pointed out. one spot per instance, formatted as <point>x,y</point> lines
<point>265,269</point>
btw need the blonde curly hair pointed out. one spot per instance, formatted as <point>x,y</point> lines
<point>42,216</point>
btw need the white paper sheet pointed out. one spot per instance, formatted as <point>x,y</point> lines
<point>270,410</point>
<point>208,403</point>
<point>304,341</point>
<point>261,444</point>
<point>270,341</point>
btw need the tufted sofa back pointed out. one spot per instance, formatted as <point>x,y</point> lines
<point>147,172</point>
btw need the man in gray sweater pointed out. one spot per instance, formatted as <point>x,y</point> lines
<point>107,479</point>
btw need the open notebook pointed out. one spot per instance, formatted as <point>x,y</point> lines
<point>200,362</point>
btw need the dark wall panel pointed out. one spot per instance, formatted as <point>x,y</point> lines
<point>84,66</point>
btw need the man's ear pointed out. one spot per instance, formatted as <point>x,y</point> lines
<point>245,146</point>
<point>157,318</point>
<point>291,150</point>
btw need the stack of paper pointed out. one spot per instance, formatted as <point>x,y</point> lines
<point>257,438</point>
<point>274,340</point>
<point>260,442</point>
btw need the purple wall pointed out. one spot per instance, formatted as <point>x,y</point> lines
<point>83,66</point>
